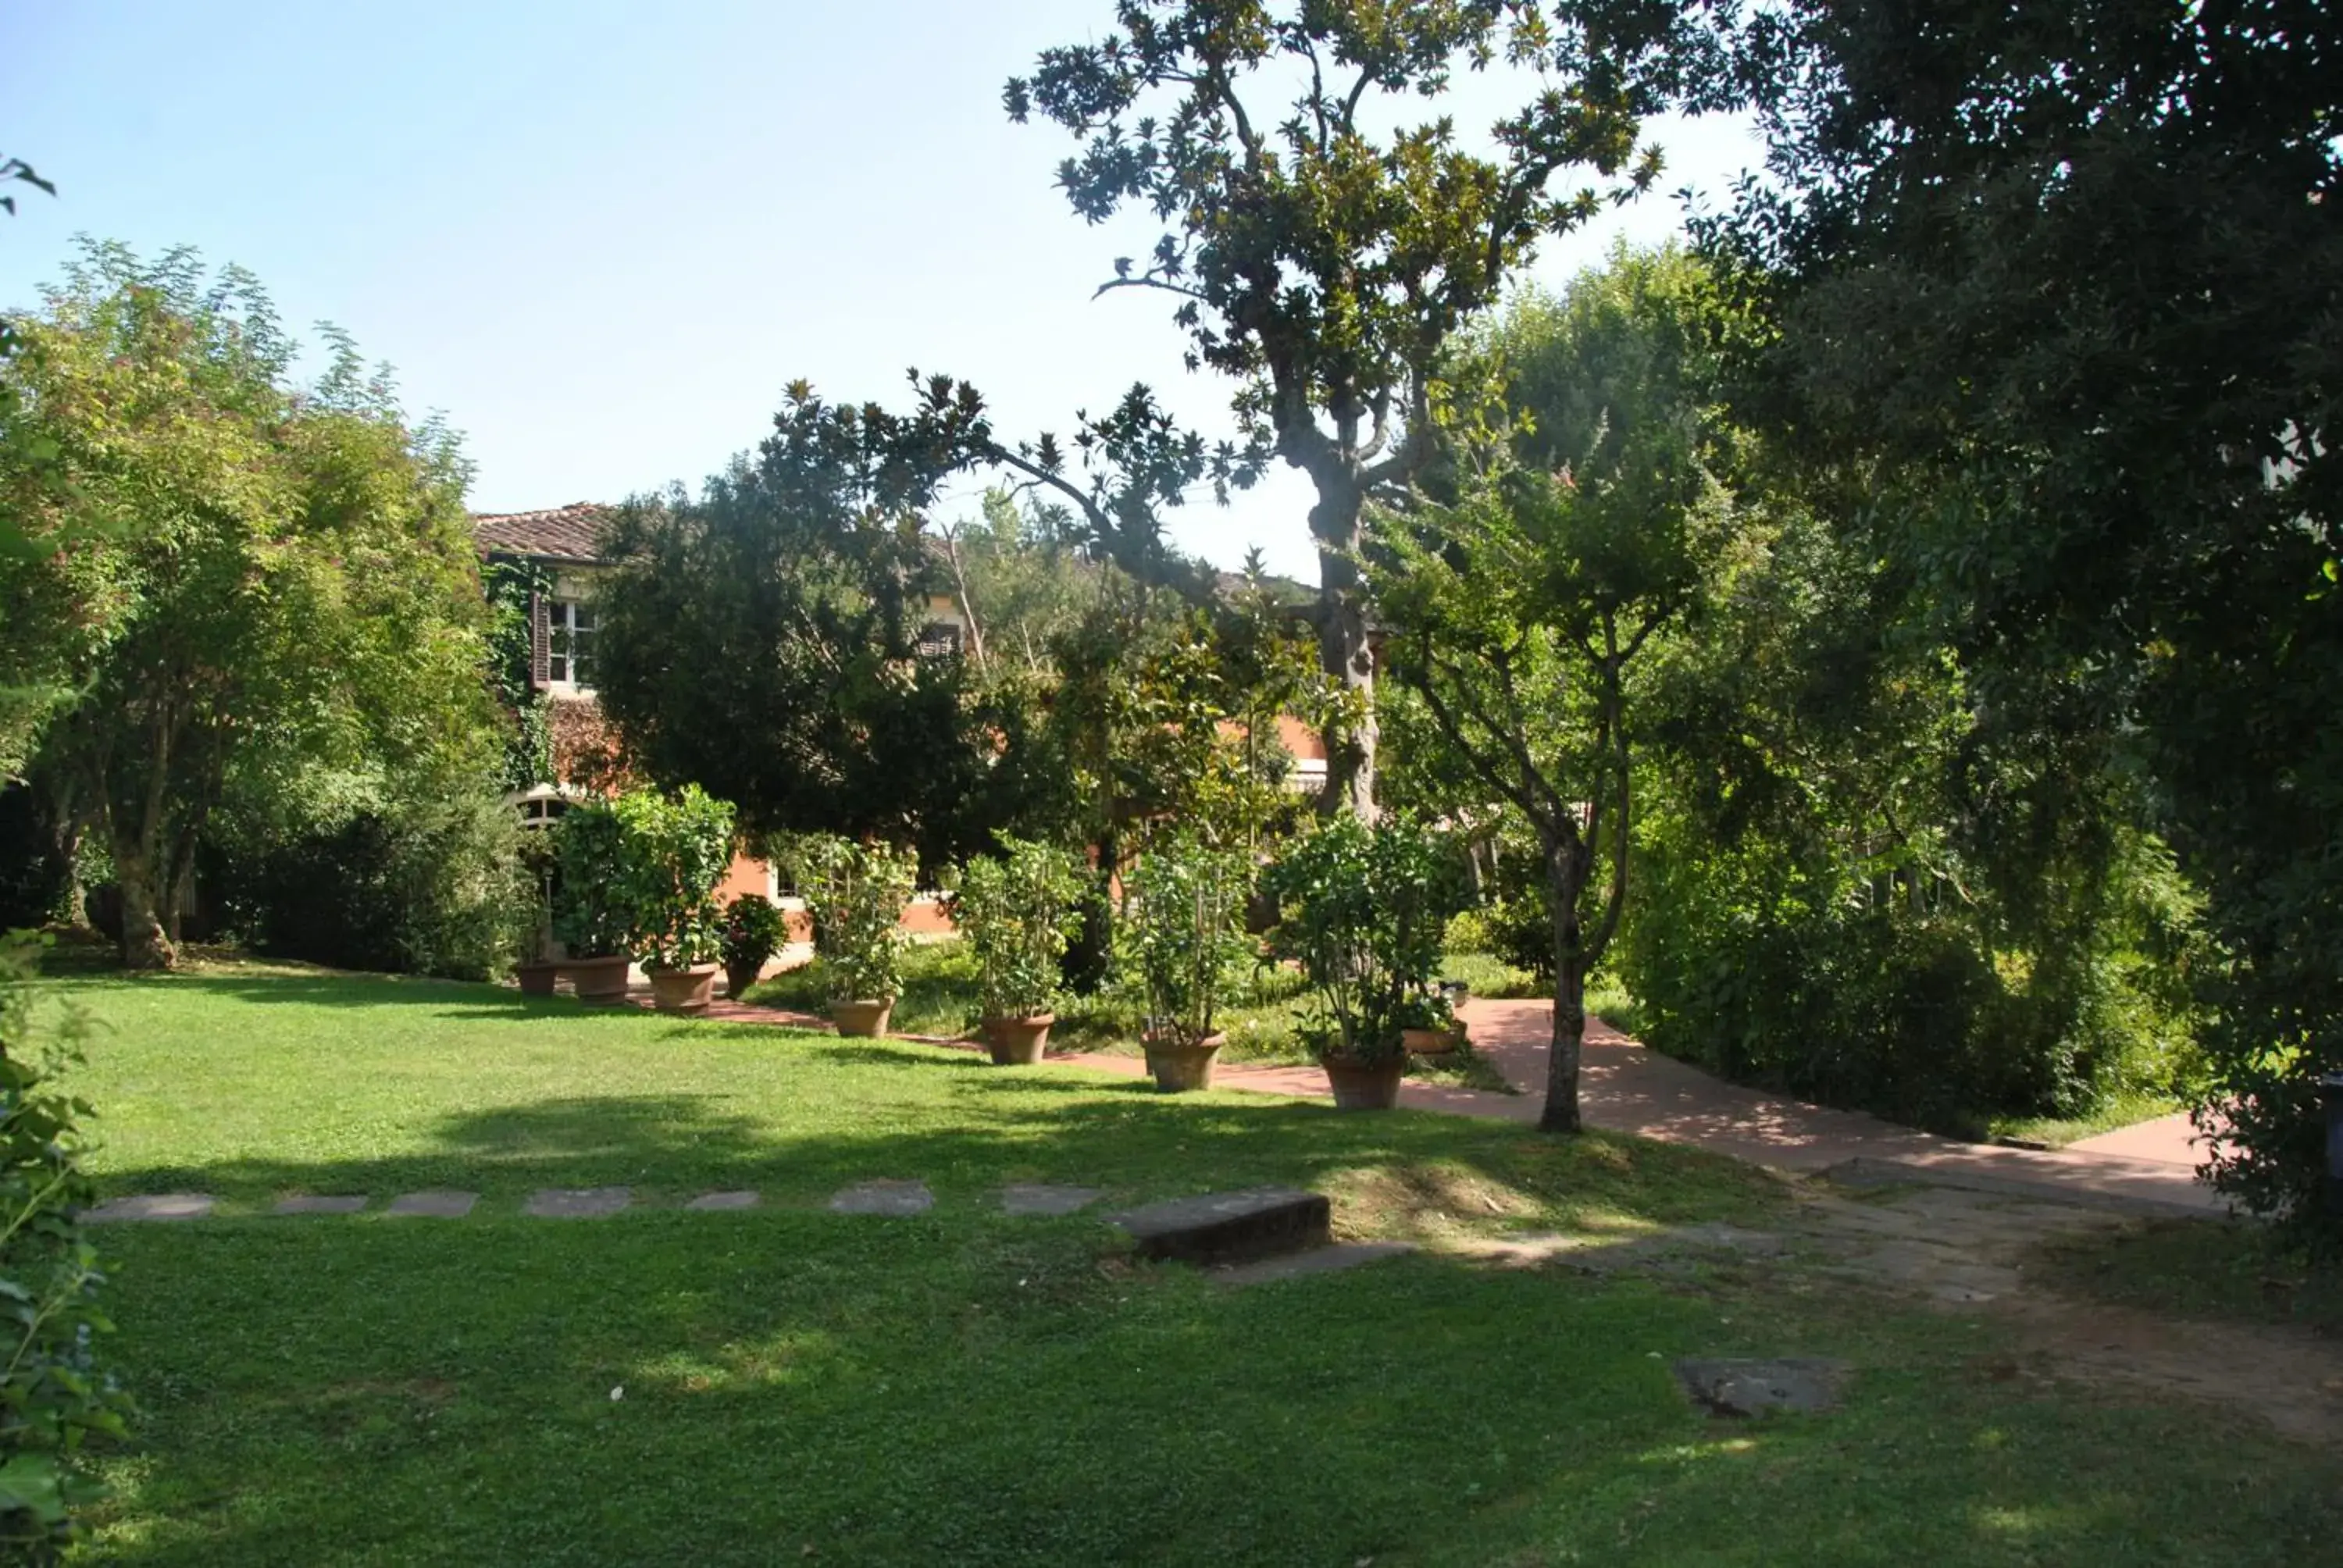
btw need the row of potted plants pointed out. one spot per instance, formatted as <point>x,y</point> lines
<point>1359,910</point>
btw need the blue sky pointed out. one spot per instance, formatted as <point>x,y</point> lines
<point>601,238</point>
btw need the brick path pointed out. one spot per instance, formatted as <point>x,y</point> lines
<point>1624,1087</point>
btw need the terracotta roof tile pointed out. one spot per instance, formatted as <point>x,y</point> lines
<point>559,534</point>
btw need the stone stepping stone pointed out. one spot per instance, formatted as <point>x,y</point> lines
<point>714,1201</point>
<point>577,1203</point>
<point>1744,1387</point>
<point>1230,1227</point>
<point>438,1204</point>
<point>1317,1260</point>
<point>1041,1199</point>
<point>895,1198</point>
<point>307,1204</point>
<point>151,1207</point>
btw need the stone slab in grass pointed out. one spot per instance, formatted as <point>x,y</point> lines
<point>893,1198</point>
<point>1040,1198</point>
<point>1230,1227</point>
<point>440,1204</point>
<point>724,1201</point>
<point>1743,1387</point>
<point>150,1207</point>
<point>577,1203</point>
<point>308,1203</point>
<point>1317,1261</point>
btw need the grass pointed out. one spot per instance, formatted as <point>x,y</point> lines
<point>2234,1273</point>
<point>2118,1110</point>
<point>788,1384</point>
<point>940,998</point>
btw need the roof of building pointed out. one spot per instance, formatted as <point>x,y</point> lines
<point>567,533</point>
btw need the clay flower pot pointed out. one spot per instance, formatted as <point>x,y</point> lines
<point>1017,1042</point>
<point>686,989</point>
<point>863,1020</point>
<point>600,983</point>
<point>738,978</point>
<point>1428,1041</point>
<point>1364,1085</point>
<point>537,977</point>
<point>1181,1068</point>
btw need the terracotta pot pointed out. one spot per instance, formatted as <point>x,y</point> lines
<point>1428,1041</point>
<point>686,989</point>
<point>1181,1068</point>
<point>738,978</point>
<point>1364,1086</point>
<point>863,1020</point>
<point>1017,1042</point>
<point>536,979</point>
<point>600,982</point>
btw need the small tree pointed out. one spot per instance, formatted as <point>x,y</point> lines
<point>1183,942</point>
<point>1018,910</point>
<point>857,893</point>
<point>590,912</point>
<point>673,851</point>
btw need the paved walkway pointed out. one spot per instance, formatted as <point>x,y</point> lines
<point>1624,1087</point>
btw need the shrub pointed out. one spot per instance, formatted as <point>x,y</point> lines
<point>590,910</point>
<point>433,884</point>
<point>672,851</point>
<point>1364,910</point>
<point>54,1395</point>
<point>1183,941</point>
<point>1018,912</point>
<point>754,930</point>
<point>857,893</point>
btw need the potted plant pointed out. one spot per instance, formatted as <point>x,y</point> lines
<point>673,851</point>
<point>1426,1025</point>
<point>1018,912</point>
<point>754,930</point>
<point>857,893</point>
<point>1184,943</point>
<point>537,968</point>
<point>1364,908</point>
<point>590,910</point>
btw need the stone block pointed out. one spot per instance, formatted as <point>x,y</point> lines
<point>1230,1227</point>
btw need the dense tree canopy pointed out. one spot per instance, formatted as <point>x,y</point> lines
<point>229,580</point>
<point>2071,275</point>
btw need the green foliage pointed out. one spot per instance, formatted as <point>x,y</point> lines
<point>54,1394</point>
<point>1971,245</point>
<point>763,640</point>
<point>673,850</point>
<point>590,913</point>
<point>1018,911</point>
<point>857,893</point>
<point>511,586</point>
<point>1181,944</point>
<point>754,930</point>
<point>1364,910</point>
<point>241,581</point>
<point>380,877</point>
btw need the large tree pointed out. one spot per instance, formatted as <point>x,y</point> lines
<point>254,577</point>
<point>1322,250</point>
<point>2071,274</point>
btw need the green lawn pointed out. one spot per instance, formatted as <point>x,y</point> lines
<point>793,1385</point>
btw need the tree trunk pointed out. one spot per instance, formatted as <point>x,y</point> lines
<point>1565,870</point>
<point>139,874</point>
<point>1343,652</point>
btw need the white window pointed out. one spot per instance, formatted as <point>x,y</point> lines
<point>569,648</point>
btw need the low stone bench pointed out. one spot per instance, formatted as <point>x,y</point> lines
<point>1230,1227</point>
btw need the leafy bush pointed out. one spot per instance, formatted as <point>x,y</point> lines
<point>1364,910</point>
<point>673,850</point>
<point>1182,942</point>
<point>428,885</point>
<point>754,930</point>
<point>857,893</point>
<point>54,1395</point>
<point>1018,912</point>
<point>590,914</point>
